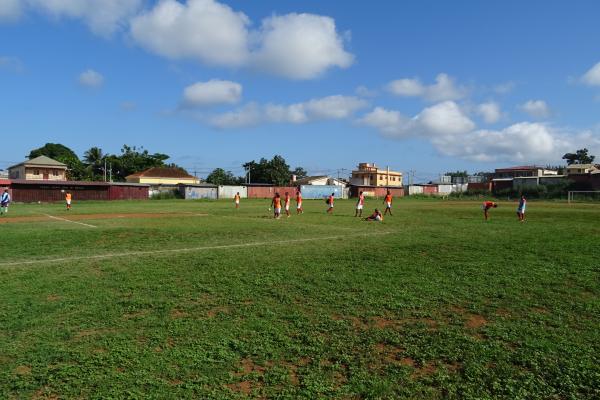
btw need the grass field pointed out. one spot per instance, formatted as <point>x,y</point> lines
<point>176,299</point>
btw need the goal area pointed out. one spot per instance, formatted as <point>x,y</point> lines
<point>575,196</point>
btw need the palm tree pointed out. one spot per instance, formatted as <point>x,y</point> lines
<point>94,158</point>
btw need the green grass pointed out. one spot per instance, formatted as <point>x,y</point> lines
<point>432,303</point>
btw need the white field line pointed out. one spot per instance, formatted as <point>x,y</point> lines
<point>183,250</point>
<point>68,220</point>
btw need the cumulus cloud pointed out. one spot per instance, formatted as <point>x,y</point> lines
<point>364,91</point>
<point>10,10</point>
<point>536,108</point>
<point>521,142</point>
<point>213,92</point>
<point>452,133</point>
<point>506,87</point>
<point>490,112</point>
<point>444,118</point>
<point>91,79</point>
<point>203,30</point>
<point>592,76</point>
<point>299,46</point>
<point>296,46</point>
<point>103,17</point>
<point>326,108</point>
<point>443,89</point>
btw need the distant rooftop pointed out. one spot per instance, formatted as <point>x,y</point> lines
<point>41,161</point>
<point>162,172</point>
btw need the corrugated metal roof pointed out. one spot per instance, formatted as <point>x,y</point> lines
<point>41,161</point>
<point>162,172</point>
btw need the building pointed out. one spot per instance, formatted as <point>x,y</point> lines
<point>580,169</point>
<point>321,180</point>
<point>523,172</point>
<point>41,168</point>
<point>33,191</point>
<point>368,174</point>
<point>158,176</point>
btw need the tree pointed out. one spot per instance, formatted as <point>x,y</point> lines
<point>275,171</point>
<point>300,173</point>
<point>94,159</point>
<point>462,174</point>
<point>581,156</point>
<point>221,177</point>
<point>63,154</point>
<point>134,160</point>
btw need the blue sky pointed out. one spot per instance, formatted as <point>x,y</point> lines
<point>429,86</point>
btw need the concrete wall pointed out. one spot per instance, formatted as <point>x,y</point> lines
<point>228,192</point>
<point>266,192</point>
<point>198,192</point>
<point>321,191</point>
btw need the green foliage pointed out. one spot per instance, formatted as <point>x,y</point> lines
<point>433,303</point>
<point>554,191</point>
<point>221,177</point>
<point>131,160</point>
<point>59,152</point>
<point>275,171</point>
<point>581,156</point>
<point>457,174</point>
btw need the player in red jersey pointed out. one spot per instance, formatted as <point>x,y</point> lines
<point>330,203</point>
<point>486,206</point>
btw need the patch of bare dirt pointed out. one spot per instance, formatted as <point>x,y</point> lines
<point>475,321</point>
<point>78,217</point>
<point>243,387</point>
<point>23,370</point>
<point>388,354</point>
<point>43,393</point>
<point>540,310</point>
<point>175,382</point>
<point>248,366</point>
<point>176,314</point>
<point>382,323</point>
<point>53,297</point>
<point>213,312</point>
<point>426,369</point>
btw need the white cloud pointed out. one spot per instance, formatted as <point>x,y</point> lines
<point>326,108</point>
<point>12,64</point>
<point>296,46</point>
<point>213,92</point>
<point>444,118</point>
<point>10,10</point>
<point>247,116</point>
<point>204,30</point>
<point>536,108</point>
<point>91,78</point>
<point>450,131</point>
<point>103,17</point>
<point>490,112</point>
<point>522,142</point>
<point>592,76</point>
<point>364,91</point>
<point>300,46</point>
<point>407,87</point>
<point>443,89</point>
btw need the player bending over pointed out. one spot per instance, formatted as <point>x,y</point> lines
<point>329,202</point>
<point>359,205</point>
<point>68,200</point>
<point>4,202</point>
<point>236,198</point>
<point>287,202</point>
<point>521,209</point>
<point>486,206</point>
<point>376,216</point>
<point>388,203</point>
<point>276,204</point>
<point>299,209</point>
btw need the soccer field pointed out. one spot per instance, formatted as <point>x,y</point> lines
<point>194,299</point>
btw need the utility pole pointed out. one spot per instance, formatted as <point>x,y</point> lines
<point>110,171</point>
<point>105,170</point>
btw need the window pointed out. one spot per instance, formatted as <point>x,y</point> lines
<point>54,172</point>
<point>36,171</point>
